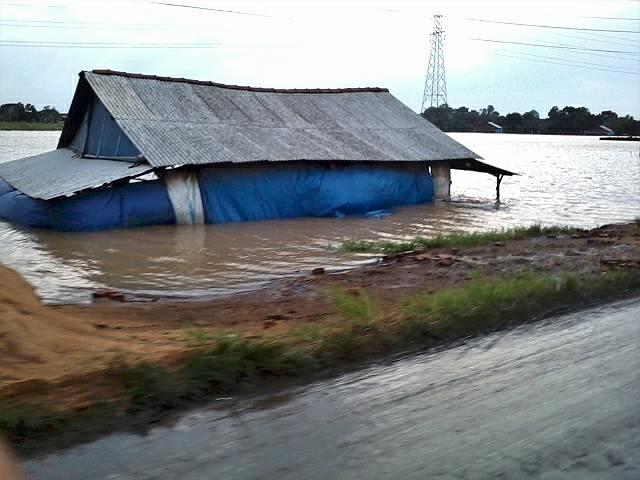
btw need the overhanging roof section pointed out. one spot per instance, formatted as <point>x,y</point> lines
<point>61,172</point>
<point>185,122</point>
<point>478,166</point>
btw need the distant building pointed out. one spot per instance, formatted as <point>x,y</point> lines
<point>489,127</point>
<point>599,130</point>
<point>496,128</point>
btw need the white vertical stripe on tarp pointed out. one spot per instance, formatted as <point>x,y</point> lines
<point>184,193</point>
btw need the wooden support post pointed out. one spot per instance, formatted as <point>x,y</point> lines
<point>499,178</point>
<point>441,174</point>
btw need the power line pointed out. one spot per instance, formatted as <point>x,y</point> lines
<point>122,46</point>
<point>567,64</point>
<point>563,59</point>
<point>552,26</point>
<point>590,54</point>
<point>580,37</point>
<point>116,46</point>
<point>56,42</point>
<point>604,35</point>
<point>64,23</point>
<point>554,46</point>
<point>95,26</point>
<point>152,27</point>
<point>615,18</point>
<point>55,21</point>
<point>195,7</point>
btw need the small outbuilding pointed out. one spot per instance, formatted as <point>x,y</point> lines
<point>146,150</point>
<point>600,130</point>
<point>495,127</point>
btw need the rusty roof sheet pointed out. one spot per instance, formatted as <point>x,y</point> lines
<point>185,122</point>
<point>60,172</point>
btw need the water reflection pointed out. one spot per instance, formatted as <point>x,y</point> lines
<point>564,180</point>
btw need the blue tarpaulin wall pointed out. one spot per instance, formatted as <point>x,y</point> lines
<point>230,194</point>
<point>236,194</point>
<point>121,206</point>
<point>104,137</point>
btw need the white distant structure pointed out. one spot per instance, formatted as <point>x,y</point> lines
<point>600,130</point>
<point>497,128</point>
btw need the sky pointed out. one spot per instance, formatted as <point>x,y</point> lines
<point>307,44</point>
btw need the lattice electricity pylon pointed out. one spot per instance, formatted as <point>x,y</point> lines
<point>435,85</point>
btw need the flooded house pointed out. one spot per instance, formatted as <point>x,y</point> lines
<point>141,150</point>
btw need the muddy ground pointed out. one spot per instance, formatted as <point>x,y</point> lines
<point>75,341</point>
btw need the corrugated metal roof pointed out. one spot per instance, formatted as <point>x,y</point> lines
<point>182,122</point>
<point>60,172</point>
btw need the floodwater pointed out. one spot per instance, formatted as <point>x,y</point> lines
<point>565,180</point>
<point>557,400</point>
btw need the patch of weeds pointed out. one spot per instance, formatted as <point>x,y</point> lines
<point>148,386</point>
<point>197,337</point>
<point>20,423</point>
<point>378,246</point>
<point>355,305</point>
<point>488,304</point>
<point>614,282</point>
<point>234,359</point>
<point>473,239</point>
<point>360,319</point>
<point>345,342</point>
<point>309,333</point>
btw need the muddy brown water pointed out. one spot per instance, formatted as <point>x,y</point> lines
<point>564,180</point>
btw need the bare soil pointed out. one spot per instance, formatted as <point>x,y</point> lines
<point>54,353</point>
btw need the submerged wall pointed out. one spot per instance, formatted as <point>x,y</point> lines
<point>271,191</point>
<point>227,194</point>
<point>121,206</point>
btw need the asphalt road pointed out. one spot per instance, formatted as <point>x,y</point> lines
<point>558,400</point>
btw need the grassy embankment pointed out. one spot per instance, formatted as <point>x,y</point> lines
<point>30,126</point>
<point>224,361</point>
<point>460,240</point>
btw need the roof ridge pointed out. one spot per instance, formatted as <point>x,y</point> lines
<point>237,87</point>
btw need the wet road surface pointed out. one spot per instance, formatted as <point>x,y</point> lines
<point>557,400</point>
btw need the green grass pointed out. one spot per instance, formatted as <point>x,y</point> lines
<point>490,304</point>
<point>355,305</point>
<point>30,126</point>
<point>233,360</point>
<point>474,239</point>
<point>28,421</point>
<point>228,361</point>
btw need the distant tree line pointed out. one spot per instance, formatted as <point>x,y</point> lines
<point>18,112</point>
<point>568,121</point>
